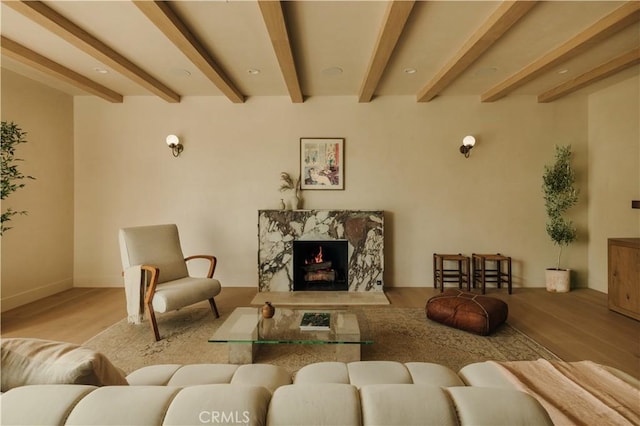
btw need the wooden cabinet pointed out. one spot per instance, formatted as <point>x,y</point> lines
<point>624,276</point>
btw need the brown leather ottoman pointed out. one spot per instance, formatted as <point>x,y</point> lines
<point>467,311</point>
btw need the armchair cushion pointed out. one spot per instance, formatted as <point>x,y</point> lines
<point>157,245</point>
<point>184,292</point>
<point>36,361</point>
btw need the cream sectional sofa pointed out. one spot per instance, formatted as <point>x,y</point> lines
<point>55,383</point>
<point>358,393</point>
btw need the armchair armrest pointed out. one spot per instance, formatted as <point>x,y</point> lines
<point>213,262</point>
<point>153,281</point>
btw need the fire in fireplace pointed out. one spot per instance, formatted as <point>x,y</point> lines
<point>320,265</point>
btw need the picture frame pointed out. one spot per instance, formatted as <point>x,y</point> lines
<point>322,163</point>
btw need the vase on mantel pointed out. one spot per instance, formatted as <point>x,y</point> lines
<point>268,310</point>
<point>295,202</point>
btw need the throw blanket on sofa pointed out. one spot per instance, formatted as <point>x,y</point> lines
<point>576,393</point>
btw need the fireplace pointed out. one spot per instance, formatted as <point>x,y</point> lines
<point>320,265</point>
<point>360,231</point>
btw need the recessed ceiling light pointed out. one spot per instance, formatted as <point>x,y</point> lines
<point>410,70</point>
<point>180,72</point>
<point>101,70</point>
<point>332,71</point>
<point>253,71</point>
<point>482,72</point>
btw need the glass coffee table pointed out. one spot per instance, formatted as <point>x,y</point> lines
<point>245,330</point>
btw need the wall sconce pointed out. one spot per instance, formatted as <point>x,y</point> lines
<point>174,143</point>
<point>467,143</point>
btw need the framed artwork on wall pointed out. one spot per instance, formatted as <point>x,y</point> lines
<point>322,163</point>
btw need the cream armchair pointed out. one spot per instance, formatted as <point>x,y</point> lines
<point>156,275</point>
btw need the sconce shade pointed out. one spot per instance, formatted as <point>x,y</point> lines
<point>172,140</point>
<point>468,142</point>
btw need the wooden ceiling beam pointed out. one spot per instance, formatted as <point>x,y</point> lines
<point>34,60</point>
<point>166,20</point>
<point>394,22</point>
<point>603,71</point>
<point>273,17</point>
<point>617,20</point>
<point>500,21</point>
<point>48,18</point>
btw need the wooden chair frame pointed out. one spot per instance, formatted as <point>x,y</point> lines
<point>153,282</point>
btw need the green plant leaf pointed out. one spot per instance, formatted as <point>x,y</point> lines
<point>12,178</point>
<point>559,196</point>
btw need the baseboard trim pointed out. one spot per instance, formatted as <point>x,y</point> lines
<point>11,302</point>
<point>98,281</point>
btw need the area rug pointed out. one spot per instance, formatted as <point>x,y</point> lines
<point>400,334</point>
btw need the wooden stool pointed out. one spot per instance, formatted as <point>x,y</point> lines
<point>461,274</point>
<point>483,273</point>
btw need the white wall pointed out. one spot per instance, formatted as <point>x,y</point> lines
<point>37,254</point>
<point>614,171</point>
<point>401,157</point>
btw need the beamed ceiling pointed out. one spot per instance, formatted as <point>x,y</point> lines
<point>301,49</point>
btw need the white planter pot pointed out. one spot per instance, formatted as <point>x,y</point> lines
<point>558,280</point>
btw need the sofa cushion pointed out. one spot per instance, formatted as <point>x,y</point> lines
<point>203,374</point>
<point>467,311</point>
<point>123,405</point>
<point>158,375</point>
<point>497,407</point>
<point>323,372</point>
<point>219,404</point>
<point>377,372</point>
<point>485,374</point>
<point>428,373</point>
<point>315,404</point>
<point>37,361</point>
<point>269,376</point>
<point>41,404</point>
<point>406,405</point>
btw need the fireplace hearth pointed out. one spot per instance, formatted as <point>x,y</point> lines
<point>320,265</point>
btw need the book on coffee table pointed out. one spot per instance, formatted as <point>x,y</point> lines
<point>315,321</point>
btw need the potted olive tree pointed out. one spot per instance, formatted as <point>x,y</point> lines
<point>559,196</point>
<point>12,178</point>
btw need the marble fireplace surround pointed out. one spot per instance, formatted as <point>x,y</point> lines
<point>363,230</point>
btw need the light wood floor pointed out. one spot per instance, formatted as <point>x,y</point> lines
<point>575,326</point>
